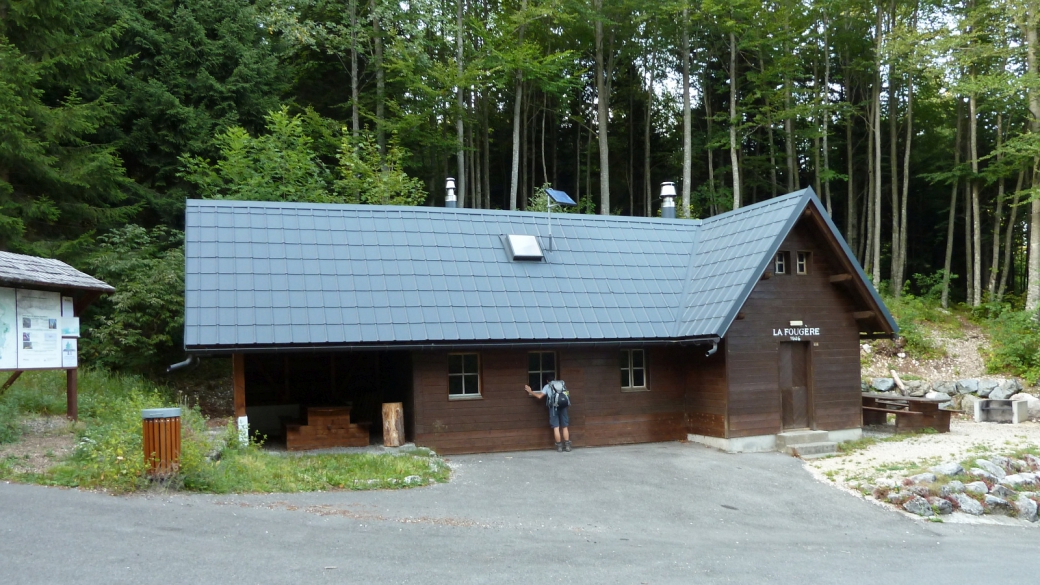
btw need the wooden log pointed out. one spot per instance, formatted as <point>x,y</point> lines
<point>838,278</point>
<point>393,424</point>
<point>861,315</point>
<point>898,382</point>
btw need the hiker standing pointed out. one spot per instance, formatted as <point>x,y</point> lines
<point>557,398</point>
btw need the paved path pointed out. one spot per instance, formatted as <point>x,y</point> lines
<point>660,513</point>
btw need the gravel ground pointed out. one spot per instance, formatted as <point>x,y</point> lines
<point>46,440</point>
<point>894,458</point>
<point>962,359</point>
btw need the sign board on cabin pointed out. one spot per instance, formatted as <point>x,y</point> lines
<point>32,324</point>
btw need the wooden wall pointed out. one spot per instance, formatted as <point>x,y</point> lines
<point>751,352</point>
<point>706,391</point>
<point>505,418</point>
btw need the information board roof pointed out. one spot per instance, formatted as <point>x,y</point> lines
<point>22,271</point>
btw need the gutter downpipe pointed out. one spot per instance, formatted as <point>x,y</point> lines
<point>192,359</point>
<point>714,347</point>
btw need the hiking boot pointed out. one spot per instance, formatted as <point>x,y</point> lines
<point>559,447</point>
<point>567,446</point>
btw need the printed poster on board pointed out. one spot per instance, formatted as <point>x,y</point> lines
<point>8,330</point>
<point>38,339</point>
<point>69,353</point>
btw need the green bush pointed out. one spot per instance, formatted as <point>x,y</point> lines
<point>1015,344</point>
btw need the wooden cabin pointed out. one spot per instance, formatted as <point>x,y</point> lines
<point>727,330</point>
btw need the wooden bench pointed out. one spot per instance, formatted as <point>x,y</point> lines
<point>912,413</point>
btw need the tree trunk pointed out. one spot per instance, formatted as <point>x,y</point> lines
<point>733,119</point>
<point>876,235</point>
<point>947,266</point>
<point>377,35</point>
<point>1006,269</point>
<point>792,163</point>
<point>826,112</point>
<point>486,136</point>
<point>901,273</point>
<point>976,224</point>
<point>998,216</point>
<point>603,113</point>
<point>687,159</point>
<point>769,127</point>
<point>355,117</point>
<point>459,122</point>
<point>514,179</point>
<point>1033,286</point>
<point>893,156</point>
<point>706,97</point>
<point>647,207</point>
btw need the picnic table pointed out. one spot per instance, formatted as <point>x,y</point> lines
<point>912,413</point>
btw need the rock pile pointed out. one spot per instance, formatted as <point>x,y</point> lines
<point>997,485</point>
<point>962,394</point>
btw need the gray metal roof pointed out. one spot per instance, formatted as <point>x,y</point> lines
<point>19,270</point>
<point>263,274</point>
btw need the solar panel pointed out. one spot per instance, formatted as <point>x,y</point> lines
<point>560,197</point>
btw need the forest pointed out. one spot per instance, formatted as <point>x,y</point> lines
<point>917,122</point>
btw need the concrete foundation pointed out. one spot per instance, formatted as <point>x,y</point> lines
<point>766,443</point>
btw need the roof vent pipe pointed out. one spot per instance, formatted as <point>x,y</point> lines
<point>449,199</point>
<point>668,200</point>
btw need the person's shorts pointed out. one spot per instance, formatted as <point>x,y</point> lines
<point>558,417</point>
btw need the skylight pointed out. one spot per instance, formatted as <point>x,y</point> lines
<point>523,247</point>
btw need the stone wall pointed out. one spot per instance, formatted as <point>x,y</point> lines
<point>962,394</point>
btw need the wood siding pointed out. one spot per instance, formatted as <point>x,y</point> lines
<point>754,399</point>
<point>505,418</point>
<point>706,391</point>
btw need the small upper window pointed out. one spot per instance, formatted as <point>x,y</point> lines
<point>780,265</point>
<point>802,265</point>
<point>633,369</point>
<point>463,375</point>
<point>541,365</point>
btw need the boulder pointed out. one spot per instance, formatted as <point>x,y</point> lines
<point>1001,461</point>
<point>1003,492</point>
<point>919,490</point>
<point>863,386</point>
<point>954,487</point>
<point>1032,461</point>
<point>995,504</point>
<point>987,386</point>
<point>967,504</point>
<point>967,386</point>
<point>1033,404</point>
<point>882,384</point>
<point>948,468</point>
<point>1020,479</point>
<point>940,505</point>
<point>991,467</point>
<point>1019,465</point>
<point>976,487</point>
<point>886,482</point>
<point>1006,389</point>
<point>922,478</point>
<point>920,506</point>
<point>983,474</point>
<point>937,395</point>
<point>1026,508</point>
<point>917,388</point>
<point>895,498</point>
<point>949,388</point>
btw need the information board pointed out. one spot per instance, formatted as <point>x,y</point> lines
<point>38,337</point>
<point>8,330</point>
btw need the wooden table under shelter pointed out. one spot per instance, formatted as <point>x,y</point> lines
<point>912,413</point>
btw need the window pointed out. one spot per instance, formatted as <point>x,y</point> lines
<point>540,365</point>
<point>802,266</point>
<point>463,375</point>
<point>780,265</point>
<point>633,369</point>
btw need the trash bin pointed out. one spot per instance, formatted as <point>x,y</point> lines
<point>162,440</point>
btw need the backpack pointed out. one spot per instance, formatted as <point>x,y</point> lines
<point>559,396</point>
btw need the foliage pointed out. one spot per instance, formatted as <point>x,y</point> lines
<point>368,177</point>
<point>140,325</point>
<point>58,178</point>
<point>280,165</point>
<point>1015,344</point>
<point>197,68</point>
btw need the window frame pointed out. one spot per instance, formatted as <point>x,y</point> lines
<point>630,352</point>
<point>542,371</point>
<point>781,263</point>
<point>479,394</point>
<point>802,261</point>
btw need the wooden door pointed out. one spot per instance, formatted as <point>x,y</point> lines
<point>795,373</point>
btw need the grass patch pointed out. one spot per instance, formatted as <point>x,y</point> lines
<point>108,453</point>
<point>849,447</point>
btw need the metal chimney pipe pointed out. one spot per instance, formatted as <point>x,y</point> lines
<point>668,200</point>
<point>449,199</point>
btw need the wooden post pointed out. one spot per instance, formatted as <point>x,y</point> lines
<point>238,372</point>
<point>393,424</point>
<point>14,376</point>
<point>72,393</point>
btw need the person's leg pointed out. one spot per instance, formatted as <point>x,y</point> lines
<point>565,423</point>
<point>556,433</point>
<point>554,422</point>
<point>566,433</point>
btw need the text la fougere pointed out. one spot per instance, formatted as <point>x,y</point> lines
<point>796,331</point>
